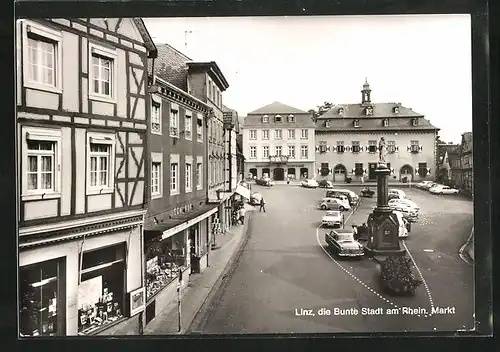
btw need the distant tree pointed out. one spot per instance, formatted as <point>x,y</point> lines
<point>320,110</point>
<point>439,140</point>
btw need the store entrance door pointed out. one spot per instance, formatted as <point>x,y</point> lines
<point>279,174</point>
<point>371,171</point>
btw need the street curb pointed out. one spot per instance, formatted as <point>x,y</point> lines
<point>213,296</point>
<point>462,251</point>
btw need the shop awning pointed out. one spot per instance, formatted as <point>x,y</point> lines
<point>243,191</point>
<point>180,222</point>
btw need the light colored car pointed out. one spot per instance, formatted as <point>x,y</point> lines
<point>309,183</point>
<point>424,184</point>
<point>255,198</point>
<point>409,212</point>
<point>440,189</point>
<point>352,196</point>
<point>333,218</point>
<point>405,201</point>
<point>344,244</point>
<point>398,192</point>
<point>332,204</point>
<point>343,199</point>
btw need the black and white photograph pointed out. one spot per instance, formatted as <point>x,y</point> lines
<point>245,175</point>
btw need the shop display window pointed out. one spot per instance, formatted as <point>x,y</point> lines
<point>164,259</point>
<point>41,294</point>
<point>101,293</point>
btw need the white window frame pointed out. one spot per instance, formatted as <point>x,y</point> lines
<point>291,118</point>
<point>280,134</point>
<point>291,134</point>
<point>265,119</point>
<point>52,36</point>
<point>157,158</point>
<point>188,125</point>
<point>173,128</point>
<point>199,128</point>
<point>291,151</point>
<point>252,134</point>
<point>304,133</point>
<point>302,148</point>
<point>108,139</point>
<point>188,176</point>
<point>199,173</point>
<point>111,55</point>
<point>253,148</point>
<point>174,160</point>
<point>155,100</point>
<point>265,150</point>
<point>276,148</point>
<point>42,135</point>
<point>264,136</point>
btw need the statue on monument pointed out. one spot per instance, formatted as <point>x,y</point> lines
<point>382,150</point>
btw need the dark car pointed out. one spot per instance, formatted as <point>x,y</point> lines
<point>265,181</point>
<point>343,243</point>
<point>325,184</point>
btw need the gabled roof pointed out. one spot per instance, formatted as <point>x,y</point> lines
<point>148,41</point>
<point>213,70</point>
<point>170,65</point>
<point>379,110</point>
<point>277,108</point>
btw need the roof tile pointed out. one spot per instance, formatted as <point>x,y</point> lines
<point>170,66</point>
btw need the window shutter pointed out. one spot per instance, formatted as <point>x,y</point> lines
<point>318,171</point>
<point>360,148</point>
<point>392,171</point>
<point>408,148</point>
<point>364,171</point>
<point>317,148</point>
<point>428,171</point>
<point>416,172</point>
<point>328,148</point>
<point>420,148</point>
<point>334,148</point>
<point>347,148</point>
<point>353,170</point>
<point>397,149</point>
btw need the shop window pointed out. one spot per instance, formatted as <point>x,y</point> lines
<point>101,293</point>
<point>41,303</point>
<point>358,169</point>
<point>164,260</point>
<point>291,173</point>
<point>266,172</point>
<point>324,171</point>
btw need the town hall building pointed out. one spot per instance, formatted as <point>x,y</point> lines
<point>347,138</point>
<point>278,142</point>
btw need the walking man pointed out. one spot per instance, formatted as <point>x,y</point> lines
<point>355,232</point>
<point>241,214</point>
<point>262,204</point>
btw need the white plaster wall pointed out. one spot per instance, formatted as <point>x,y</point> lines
<point>70,72</point>
<point>80,150</point>
<point>121,94</point>
<point>66,172</point>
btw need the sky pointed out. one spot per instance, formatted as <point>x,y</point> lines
<point>423,62</point>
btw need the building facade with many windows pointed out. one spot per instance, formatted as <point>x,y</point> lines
<point>278,142</point>
<point>466,163</point>
<point>81,115</point>
<point>348,135</point>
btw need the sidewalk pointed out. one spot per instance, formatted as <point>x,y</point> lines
<point>200,285</point>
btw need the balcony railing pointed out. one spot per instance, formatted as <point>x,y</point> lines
<point>278,159</point>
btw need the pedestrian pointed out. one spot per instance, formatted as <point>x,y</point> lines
<point>355,231</point>
<point>262,205</point>
<point>288,180</point>
<point>241,215</point>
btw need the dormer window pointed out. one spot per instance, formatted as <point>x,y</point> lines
<point>414,122</point>
<point>327,124</point>
<point>265,119</point>
<point>386,122</point>
<point>369,111</point>
<point>341,111</point>
<point>291,118</point>
<point>396,110</point>
<point>356,123</point>
<point>277,118</point>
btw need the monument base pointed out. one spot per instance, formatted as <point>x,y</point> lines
<point>381,254</point>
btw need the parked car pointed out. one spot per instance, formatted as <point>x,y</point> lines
<point>440,189</point>
<point>333,218</point>
<point>344,244</point>
<point>255,198</point>
<point>325,184</point>
<point>309,183</point>
<point>409,203</point>
<point>352,196</point>
<point>409,212</point>
<point>343,199</point>
<point>367,192</point>
<point>333,204</point>
<point>398,192</point>
<point>425,184</point>
<point>264,181</point>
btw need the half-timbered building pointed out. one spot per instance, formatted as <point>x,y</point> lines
<point>81,113</point>
<point>347,138</point>
<point>176,225</point>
